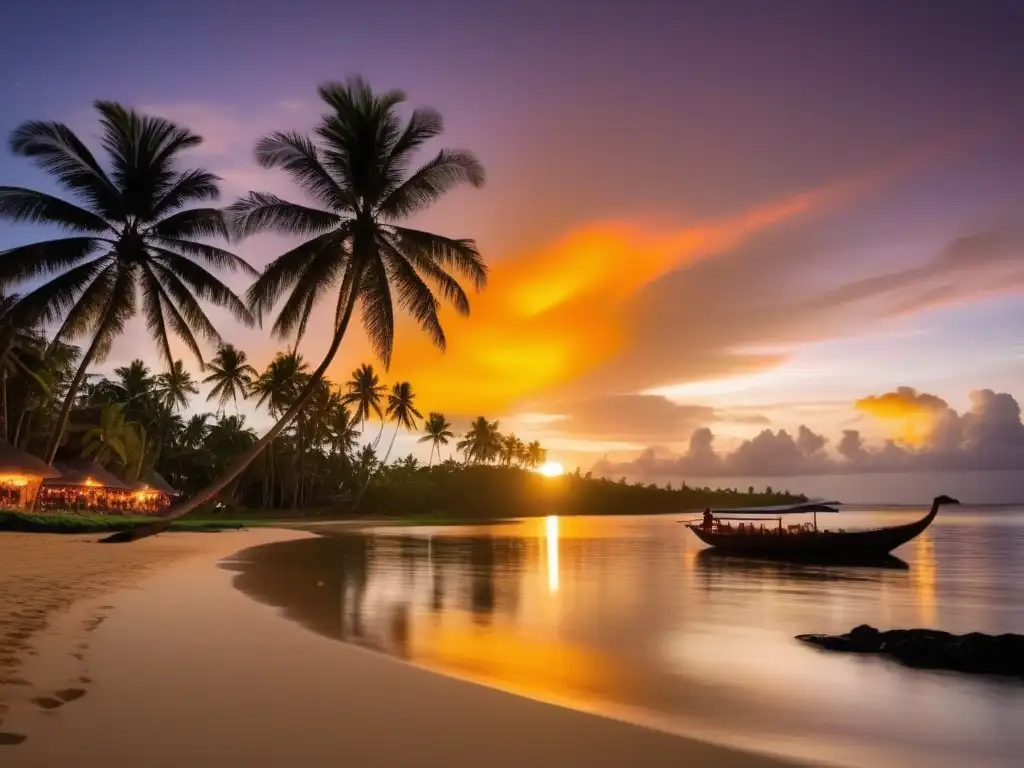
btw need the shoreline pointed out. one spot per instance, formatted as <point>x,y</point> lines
<point>218,692</point>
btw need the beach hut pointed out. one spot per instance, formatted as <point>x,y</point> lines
<point>152,494</point>
<point>85,485</point>
<point>21,474</point>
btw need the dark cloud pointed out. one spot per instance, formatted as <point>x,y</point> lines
<point>989,436</point>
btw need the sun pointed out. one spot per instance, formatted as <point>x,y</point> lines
<point>551,469</point>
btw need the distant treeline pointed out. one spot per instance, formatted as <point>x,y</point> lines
<point>453,490</point>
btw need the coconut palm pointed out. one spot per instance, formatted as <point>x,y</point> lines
<point>508,449</point>
<point>280,384</point>
<point>21,349</point>
<point>482,442</point>
<point>401,411</point>
<point>535,455</point>
<point>175,385</point>
<point>438,433</point>
<point>364,391</point>
<point>113,437</point>
<point>357,173</point>
<point>342,435</point>
<point>230,374</point>
<point>134,241</point>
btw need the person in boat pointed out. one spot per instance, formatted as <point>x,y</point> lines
<point>709,520</point>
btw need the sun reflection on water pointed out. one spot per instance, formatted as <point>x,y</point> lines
<point>551,538</point>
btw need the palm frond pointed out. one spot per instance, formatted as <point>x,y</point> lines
<point>211,254</point>
<point>201,283</point>
<point>192,223</point>
<point>434,179</point>
<point>460,256</point>
<point>182,311</point>
<point>58,297</point>
<point>287,268</point>
<point>299,158</point>
<point>56,149</point>
<point>424,124</point>
<point>263,212</point>
<point>196,185</point>
<point>152,296</point>
<point>319,276</point>
<point>26,205</point>
<point>414,296</point>
<point>377,311</point>
<point>49,257</point>
<point>448,286</point>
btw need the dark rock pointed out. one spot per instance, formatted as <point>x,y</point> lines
<point>974,653</point>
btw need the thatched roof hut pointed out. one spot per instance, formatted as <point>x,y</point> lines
<point>87,473</point>
<point>21,475</point>
<point>15,462</point>
<point>154,481</point>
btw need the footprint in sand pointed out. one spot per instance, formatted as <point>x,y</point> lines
<point>59,698</point>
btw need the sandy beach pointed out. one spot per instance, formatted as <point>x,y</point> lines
<point>146,655</point>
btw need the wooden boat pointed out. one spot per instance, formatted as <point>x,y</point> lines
<point>803,542</point>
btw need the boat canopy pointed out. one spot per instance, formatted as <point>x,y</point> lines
<point>784,509</point>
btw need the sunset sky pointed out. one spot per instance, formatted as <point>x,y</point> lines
<point>724,216</point>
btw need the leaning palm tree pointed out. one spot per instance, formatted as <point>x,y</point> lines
<point>230,374</point>
<point>438,433</point>
<point>401,411</point>
<point>357,174</point>
<point>133,239</point>
<point>364,391</point>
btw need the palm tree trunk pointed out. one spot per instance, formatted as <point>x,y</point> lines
<point>3,396</point>
<point>17,429</point>
<point>391,446</point>
<point>431,460</point>
<point>69,399</point>
<point>349,290</point>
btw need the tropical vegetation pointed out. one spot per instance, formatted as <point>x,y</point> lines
<point>130,233</point>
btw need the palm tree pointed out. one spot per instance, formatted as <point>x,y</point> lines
<point>175,386</point>
<point>114,436</point>
<point>279,385</point>
<point>356,173</point>
<point>17,342</point>
<point>438,433</point>
<point>535,455</point>
<point>195,430</point>
<point>508,448</point>
<point>482,442</point>
<point>230,374</point>
<point>364,392</point>
<point>342,434</point>
<point>401,411</point>
<point>132,237</point>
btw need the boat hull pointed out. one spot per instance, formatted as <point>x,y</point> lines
<point>824,546</point>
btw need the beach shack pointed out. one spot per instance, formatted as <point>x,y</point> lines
<point>85,486</point>
<point>154,494</point>
<point>21,475</point>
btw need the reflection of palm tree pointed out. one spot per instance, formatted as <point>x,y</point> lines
<point>364,392</point>
<point>482,442</point>
<point>356,174</point>
<point>230,374</point>
<point>133,238</point>
<point>438,433</point>
<point>401,411</point>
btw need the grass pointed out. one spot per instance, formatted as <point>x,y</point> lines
<point>63,522</point>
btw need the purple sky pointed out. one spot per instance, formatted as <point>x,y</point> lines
<point>903,122</point>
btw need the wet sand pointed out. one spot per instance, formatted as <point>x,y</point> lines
<point>144,654</point>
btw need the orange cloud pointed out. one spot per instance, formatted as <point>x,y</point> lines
<point>550,315</point>
<point>912,414</point>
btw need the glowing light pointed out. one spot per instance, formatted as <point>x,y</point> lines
<point>551,469</point>
<point>91,483</point>
<point>551,537</point>
<point>17,481</point>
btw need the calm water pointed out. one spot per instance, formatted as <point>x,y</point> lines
<point>630,617</point>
